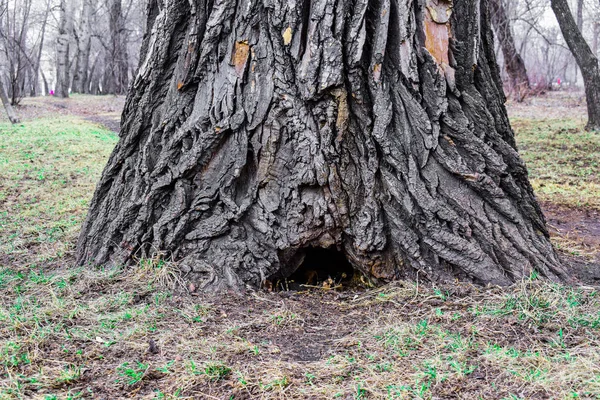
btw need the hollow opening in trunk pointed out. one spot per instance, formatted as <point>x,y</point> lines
<point>322,267</point>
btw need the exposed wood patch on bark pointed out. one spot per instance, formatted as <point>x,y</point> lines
<point>241,50</point>
<point>438,33</point>
<point>287,36</point>
<point>437,30</point>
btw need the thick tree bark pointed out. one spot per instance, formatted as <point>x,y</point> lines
<point>515,67</point>
<point>255,130</point>
<point>12,115</point>
<point>586,60</point>
<point>63,76</point>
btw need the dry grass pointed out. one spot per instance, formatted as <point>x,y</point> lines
<point>572,244</point>
<point>84,333</point>
<point>563,160</point>
<point>68,332</point>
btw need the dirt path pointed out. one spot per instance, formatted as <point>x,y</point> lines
<point>576,234</point>
<point>101,110</point>
<point>577,228</point>
<point>112,123</point>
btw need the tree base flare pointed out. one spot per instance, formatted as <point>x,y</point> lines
<point>254,132</point>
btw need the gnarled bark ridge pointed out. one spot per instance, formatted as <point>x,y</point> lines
<point>257,129</point>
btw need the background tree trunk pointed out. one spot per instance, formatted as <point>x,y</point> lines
<point>580,15</point>
<point>63,76</point>
<point>586,60</point>
<point>116,80</point>
<point>18,82</point>
<point>515,67</point>
<point>38,59</point>
<point>12,115</point>
<point>595,38</point>
<point>93,80</point>
<point>14,26</point>
<point>256,130</point>
<point>84,47</point>
<point>579,22</point>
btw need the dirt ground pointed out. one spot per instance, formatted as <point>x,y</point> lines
<point>550,105</point>
<point>103,110</point>
<point>579,225</point>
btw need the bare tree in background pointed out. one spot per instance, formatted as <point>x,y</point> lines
<point>580,15</point>
<point>586,60</point>
<point>37,70</point>
<point>595,38</point>
<point>116,78</point>
<point>107,37</point>
<point>595,21</point>
<point>515,67</point>
<point>89,46</point>
<point>13,44</point>
<point>63,39</point>
<point>12,115</point>
<point>84,46</point>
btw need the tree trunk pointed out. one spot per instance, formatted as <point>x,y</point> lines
<point>38,59</point>
<point>515,67</point>
<point>586,60</point>
<point>92,84</point>
<point>12,115</point>
<point>580,27</point>
<point>19,90</point>
<point>580,15</point>
<point>63,79</point>
<point>84,47</point>
<point>595,38</point>
<point>257,130</point>
<point>116,79</point>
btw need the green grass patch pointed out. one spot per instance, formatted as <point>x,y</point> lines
<point>48,171</point>
<point>563,160</point>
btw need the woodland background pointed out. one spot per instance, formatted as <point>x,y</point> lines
<point>91,47</point>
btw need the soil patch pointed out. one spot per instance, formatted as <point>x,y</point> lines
<point>576,234</point>
<point>578,225</point>
<point>101,110</point>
